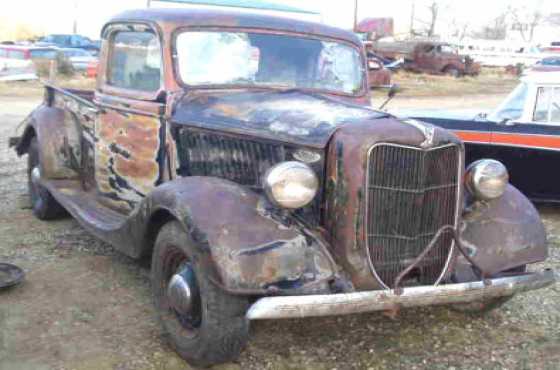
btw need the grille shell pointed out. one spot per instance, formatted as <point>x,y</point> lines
<point>411,193</point>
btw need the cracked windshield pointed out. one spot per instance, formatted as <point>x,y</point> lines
<point>256,59</point>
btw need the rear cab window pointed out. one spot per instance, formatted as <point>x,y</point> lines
<point>134,61</point>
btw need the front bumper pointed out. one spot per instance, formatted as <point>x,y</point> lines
<point>382,300</point>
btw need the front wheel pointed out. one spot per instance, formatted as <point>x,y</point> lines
<point>204,324</point>
<point>452,71</point>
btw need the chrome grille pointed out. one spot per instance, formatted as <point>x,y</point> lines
<point>411,194</point>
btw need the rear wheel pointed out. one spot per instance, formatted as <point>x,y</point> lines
<point>204,324</point>
<point>44,206</point>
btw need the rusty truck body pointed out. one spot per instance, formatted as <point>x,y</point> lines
<point>428,57</point>
<point>241,153</point>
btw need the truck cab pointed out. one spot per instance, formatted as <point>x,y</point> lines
<point>240,153</point>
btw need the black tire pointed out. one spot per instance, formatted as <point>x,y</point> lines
<point>452,71</point>
<point>481,308</point>
<point>216,329</point>
<point>43,204</point>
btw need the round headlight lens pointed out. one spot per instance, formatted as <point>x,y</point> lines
<point>486,179</point>
<point>291,184</point>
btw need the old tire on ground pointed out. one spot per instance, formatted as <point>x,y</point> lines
<point>213,329</point>
<point>480,308</point>
<point>452,71</point>
<point>44,206</point>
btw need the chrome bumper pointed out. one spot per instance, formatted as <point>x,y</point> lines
<point>283,307</point>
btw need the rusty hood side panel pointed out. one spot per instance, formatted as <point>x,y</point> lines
<point>291,116</point>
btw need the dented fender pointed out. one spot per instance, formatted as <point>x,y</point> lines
<point>249,250</point>
<point>504,233</point>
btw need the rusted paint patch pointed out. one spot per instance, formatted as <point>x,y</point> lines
<point>127,147</point>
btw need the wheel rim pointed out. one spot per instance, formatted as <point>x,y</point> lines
<point>35,186</point>
<point>182,293</point>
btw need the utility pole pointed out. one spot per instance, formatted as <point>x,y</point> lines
<point>412,11</point>
<point>75,24</point>
<point>355,15</point>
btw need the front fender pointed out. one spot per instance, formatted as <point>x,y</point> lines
<point>250,251</point>
<point>504,233</point>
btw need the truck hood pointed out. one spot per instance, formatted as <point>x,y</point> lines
<point>291,116</point>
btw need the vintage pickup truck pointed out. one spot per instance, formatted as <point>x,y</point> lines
<point>428,57</point>
<point>240,152</point>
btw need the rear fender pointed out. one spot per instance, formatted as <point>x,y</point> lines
<point>47,124</point>
<point>504,233</point>
<point>249,251</point>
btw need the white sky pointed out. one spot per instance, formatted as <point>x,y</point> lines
<point>56,16</point>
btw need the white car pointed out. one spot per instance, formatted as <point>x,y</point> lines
<point>79,58</point>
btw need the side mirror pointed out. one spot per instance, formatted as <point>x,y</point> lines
<point>393,90</point>
<point>507,122</point>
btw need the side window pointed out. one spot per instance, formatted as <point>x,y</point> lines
<point>16,54</point>
<point>542,105</point>
<point>555,106</point>
<point>135,61</point>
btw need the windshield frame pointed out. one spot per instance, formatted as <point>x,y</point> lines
<point>177,75</point>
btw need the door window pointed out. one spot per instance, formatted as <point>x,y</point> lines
<point>555,106</point>
<point>547,106</point>
<point>135,61</point>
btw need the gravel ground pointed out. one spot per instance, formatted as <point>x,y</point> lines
<point>84,306</point>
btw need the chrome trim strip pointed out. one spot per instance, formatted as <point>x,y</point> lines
<point>457,206</point>
<point>283,307</point>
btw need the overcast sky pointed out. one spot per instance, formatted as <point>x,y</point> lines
<point>56,16</point>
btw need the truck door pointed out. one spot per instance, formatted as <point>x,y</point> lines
<point>128,148</point>
<point>529,146</point>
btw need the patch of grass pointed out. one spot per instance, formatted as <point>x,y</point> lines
<point>35,88</point>
<point>490,81</point>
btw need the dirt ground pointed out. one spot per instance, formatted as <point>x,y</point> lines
<point>84,306</point>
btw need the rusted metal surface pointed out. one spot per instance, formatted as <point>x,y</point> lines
<point>429,57</point>
<point>504,233</point>
<point>127,146</point>
<point>379,77</point>
<point>293,117</point>
<point>345,187</point>
<point>124,162</point>
<point>350,303</point>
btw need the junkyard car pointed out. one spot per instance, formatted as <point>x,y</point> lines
<point>523,133</point>
<point>240,152</point>
<point>429,57</point>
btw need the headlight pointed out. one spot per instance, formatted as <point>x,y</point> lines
<point>291,184</point>
<point>486,179</point>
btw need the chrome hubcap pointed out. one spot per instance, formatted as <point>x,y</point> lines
<point>35,175</point>
<point>181,291</point>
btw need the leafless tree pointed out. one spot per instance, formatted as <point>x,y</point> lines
<point>496,30</point>
<point>525,21</point>
<point>459,28</point>
<point>434,11</point>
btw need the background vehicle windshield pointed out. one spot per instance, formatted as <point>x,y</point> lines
<point>512,108</point>
<point>228,58</point>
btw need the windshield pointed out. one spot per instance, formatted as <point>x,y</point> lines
<point>512,108</point>
<point>255,59</point>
